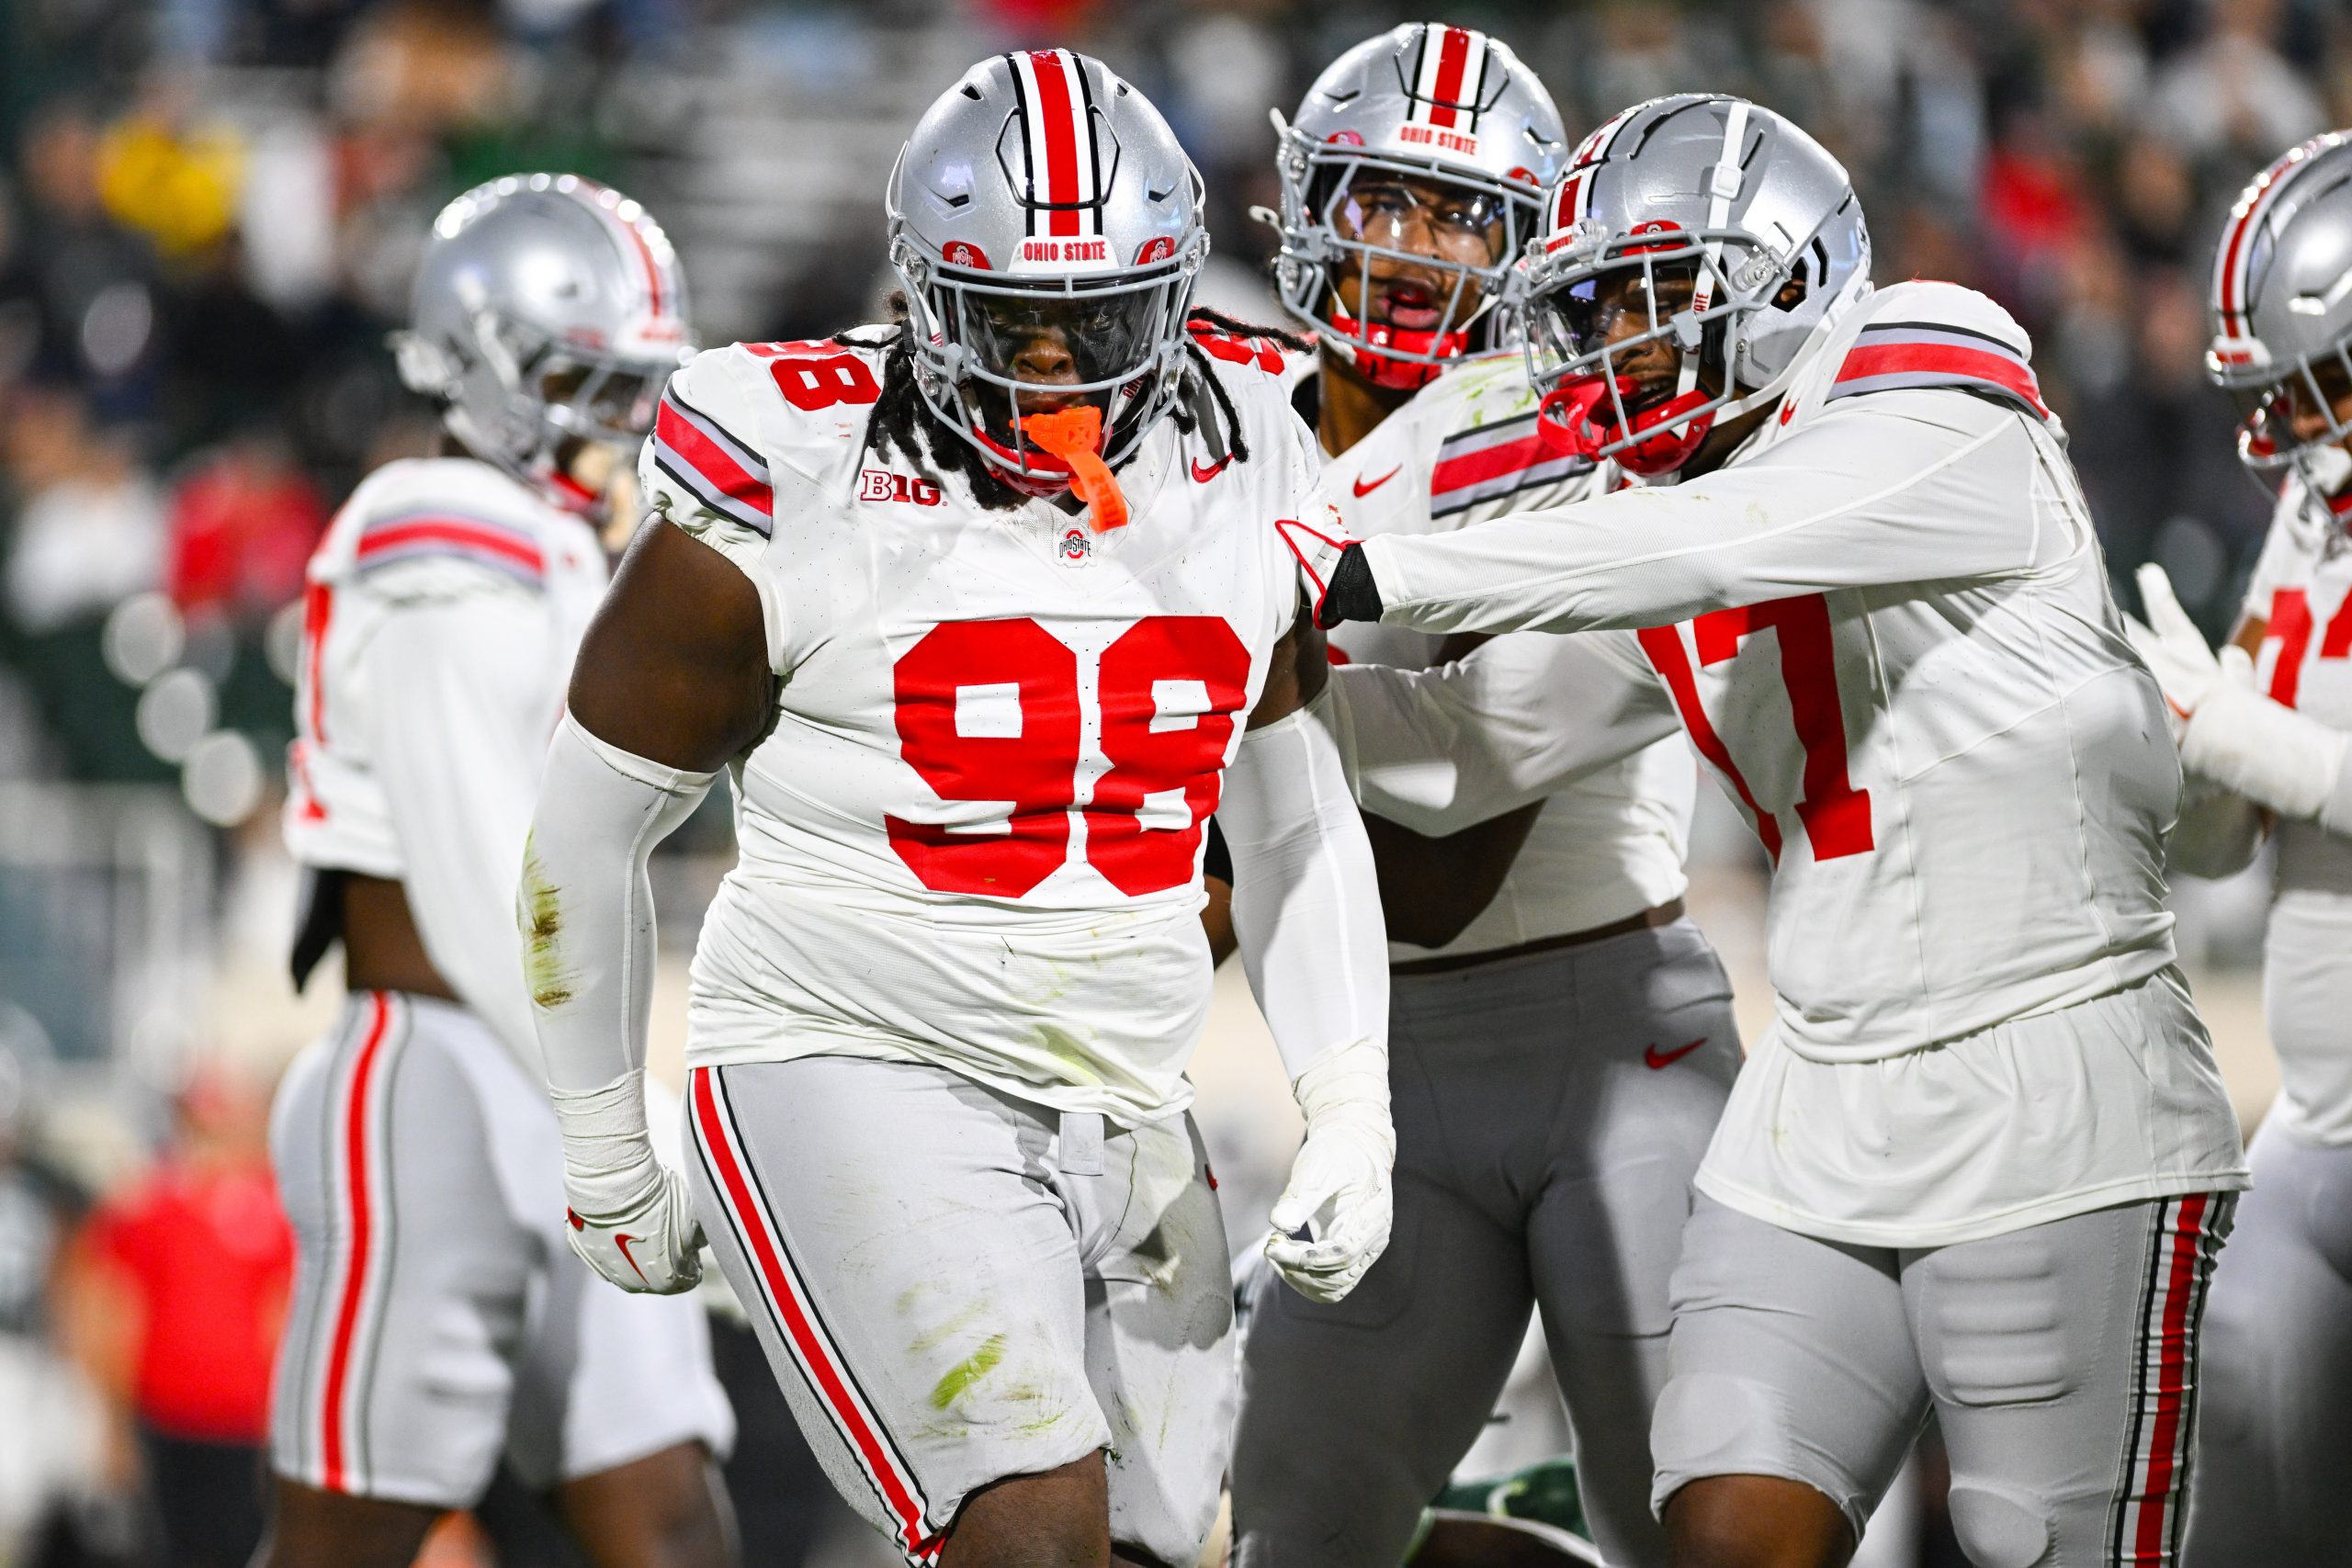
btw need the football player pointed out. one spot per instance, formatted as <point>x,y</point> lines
<point>2270,738</point>
<point>979,612</point>
<point>1982,1162</point>
<point>438,1320</point>
<point>1561,1044</point>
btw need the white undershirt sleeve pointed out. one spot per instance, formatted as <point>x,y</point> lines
<point>1305,897</point>
<point>1515,720</point>
<point>586,905</point>
<point>1900,487</point>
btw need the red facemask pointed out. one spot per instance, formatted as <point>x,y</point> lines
<point>1578,417</point>
<point>1367,342</point>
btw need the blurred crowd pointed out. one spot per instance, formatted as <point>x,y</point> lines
<point>209,209</point>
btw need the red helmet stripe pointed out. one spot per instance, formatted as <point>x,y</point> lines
<point>588,193</point>
<point>2230,281</point>
<point>1453,59</point>
<point>1056,115</point>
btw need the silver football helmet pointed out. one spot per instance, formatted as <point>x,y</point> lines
<point>547,308</point>
<point>1447,105</point>
<point>2282,301</point>
<point>1044,208</point>
<point>1698,209</point>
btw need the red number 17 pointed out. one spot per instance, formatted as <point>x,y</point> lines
<point>1835,815</point>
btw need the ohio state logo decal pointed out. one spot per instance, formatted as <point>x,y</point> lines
<point>1077,547</point>
<point>963,253</point>
<point>1156,249</point>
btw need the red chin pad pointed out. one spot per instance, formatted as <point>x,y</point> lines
<point>1368,344</point>
<point>1578,418</point>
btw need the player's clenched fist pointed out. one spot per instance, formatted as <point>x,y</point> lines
<point>630,1218</point>
<point>1339,1195</point>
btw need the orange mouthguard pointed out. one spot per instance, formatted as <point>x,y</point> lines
<point>1072,434</point>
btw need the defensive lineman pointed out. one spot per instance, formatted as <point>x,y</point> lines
<point>2270,735</point>
<point>438,1319</point>
<point>1982,1159</point>
<point>1560,1059</point>
<point>975,609</point>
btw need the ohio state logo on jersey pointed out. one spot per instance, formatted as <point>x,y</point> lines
<point>881,484</point>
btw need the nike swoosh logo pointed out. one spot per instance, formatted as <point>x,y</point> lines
<point>1653,1059</point>
<point>1203,476</point>
<point>622,1238</point>
<point>1363,490</point>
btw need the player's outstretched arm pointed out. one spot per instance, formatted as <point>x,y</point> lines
<point>1307,911</point>
<point>2231,735</point>
<point>1943,487</point>
<point>1508,723</point>
<point>671,681</point>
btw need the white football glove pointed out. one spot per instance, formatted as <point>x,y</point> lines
<point>630,1218</point>
<point>1339,1193</point>
<point>2175,651</point>
<point>2227,731</point>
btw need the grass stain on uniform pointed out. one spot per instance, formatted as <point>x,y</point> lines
<point>543,966</point>
<point>933,1338</point>
<point>967,1372</point>
<point>1069,1051</point>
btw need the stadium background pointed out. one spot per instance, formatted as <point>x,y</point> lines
<point>208,211</point>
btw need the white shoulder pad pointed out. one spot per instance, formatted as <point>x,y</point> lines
<point>1486,457</point>
<point>1256,375</point>
<point>735,420</point>
<point>445,525</point>
<point>1922,336</point>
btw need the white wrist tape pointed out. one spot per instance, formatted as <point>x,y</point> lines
<point>1349,1084</point>
<point>2268,753</point>
<point>604,1129</point>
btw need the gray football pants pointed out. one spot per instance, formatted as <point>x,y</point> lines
<point>2275,1433</point>
<point>1550,1111</point>
<point>2061,1361</point>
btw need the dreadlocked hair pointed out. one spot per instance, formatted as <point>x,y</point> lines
<point>902,422</point>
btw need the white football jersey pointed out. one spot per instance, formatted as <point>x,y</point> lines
<point>972,837</point>
<point>440,617</point>
<point>2302,589</point>
<point>1886,627</point>
<point>1607,845</point>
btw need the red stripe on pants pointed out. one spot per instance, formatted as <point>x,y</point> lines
<point>2172,1379</point>
<point>336,1477</point>
<point>794,1316</point>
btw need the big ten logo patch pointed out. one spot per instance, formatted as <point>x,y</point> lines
<point>881,484</point>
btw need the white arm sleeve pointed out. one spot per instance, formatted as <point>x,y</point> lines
<point>2274,756</point>
<point>1515,720</point>
<point>1306,900</point>
<point>454,724</point>
<point>1900,487</point>
<point>586,906</point>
